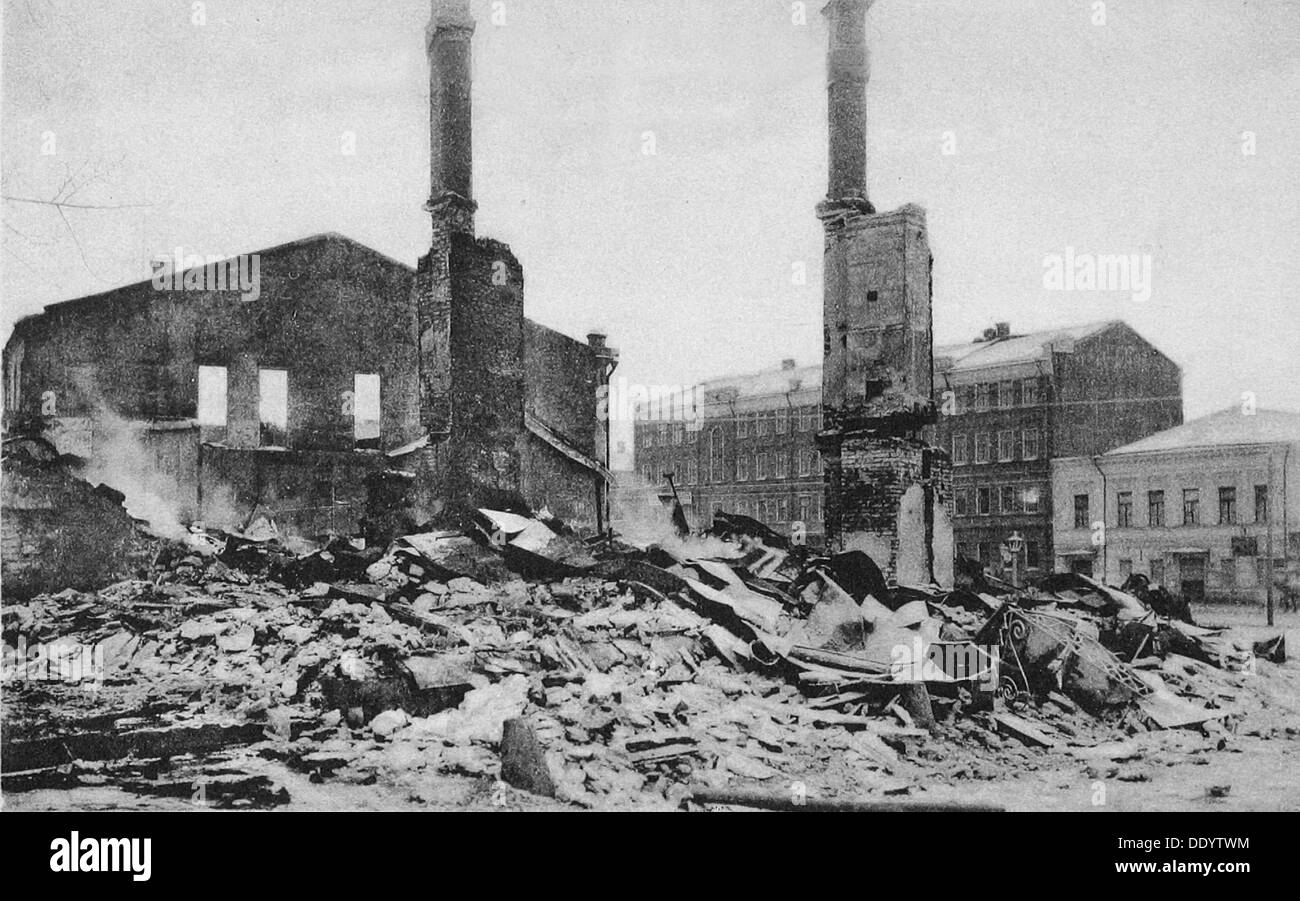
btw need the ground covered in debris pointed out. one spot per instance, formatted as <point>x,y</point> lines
<point>513,666</point>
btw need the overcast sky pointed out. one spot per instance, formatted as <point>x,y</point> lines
<point>1127,137</point>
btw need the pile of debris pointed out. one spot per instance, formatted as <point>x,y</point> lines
<point>596,673</point>
<point>59,531</point>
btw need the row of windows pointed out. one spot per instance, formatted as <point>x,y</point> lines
<point>361,405</point>
<point>772,511</point>
<point>1230,571</point>
<point>777,422</point>
<point>997,395</point>
<point>685,472</point>
<point>1012,445</point>
<point>998,499</point>
<point>983,551</point>
<point>1191,512</point>
<point>758,467</point>
<point>667,434</point>
<point>776,465</point>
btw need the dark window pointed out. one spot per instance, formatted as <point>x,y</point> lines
<point>873,296</point>
<point>1124,509</point>
<point>1081,518</point>
<point>1029,447</point>
<point>1009,499</point>
<point>1007,394</point>
<point>1191,506</point>
<point>1227,506</point>
<point>717,449</point>
<point>1029,392</point>
<point>1006,446</point>
<point>1156,508</point>
<point>982,501</point>
<point>1033,557</point>
<point>958,450</point>
<point>963,502</point>
<point>1261,503</point>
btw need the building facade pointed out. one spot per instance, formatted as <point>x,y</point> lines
<point>746,445</point>
<point>1007,405</point>
<point>1205,509</point>
<point>1010,403</point>
<point>202,403</point>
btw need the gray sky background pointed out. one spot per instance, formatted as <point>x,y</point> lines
<point>1125,137</point>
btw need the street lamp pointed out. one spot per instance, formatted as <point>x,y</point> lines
<point>1015,544</point>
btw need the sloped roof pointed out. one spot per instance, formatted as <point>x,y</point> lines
<point>551,437</point>
<point>766,383</point>
<point>126,290</point>
<point>1223,429</point>
<point>1017,348</point>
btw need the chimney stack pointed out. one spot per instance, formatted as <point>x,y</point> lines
<point>848,70</point>
<point>450,37</point>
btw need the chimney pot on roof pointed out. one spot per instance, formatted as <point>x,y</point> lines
<point>1004,329</point>
<point>596,339</point>
<point>989,335</point>
<point>787,365</point>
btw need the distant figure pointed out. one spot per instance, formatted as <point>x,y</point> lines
<point>1158,598</point>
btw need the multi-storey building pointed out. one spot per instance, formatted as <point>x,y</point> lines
<point>1201,509</point>
<point>1010,403</point>
<point>747,448</point>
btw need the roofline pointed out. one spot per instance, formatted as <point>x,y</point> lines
<point>266,251</point>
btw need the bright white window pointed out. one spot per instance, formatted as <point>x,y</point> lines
<point>212,396</point>
<point>366,410</point>
<point>273,405</point>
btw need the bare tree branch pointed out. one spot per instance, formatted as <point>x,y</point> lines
<point>63,205</point>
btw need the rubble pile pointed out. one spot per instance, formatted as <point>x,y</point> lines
<point>597,674</point>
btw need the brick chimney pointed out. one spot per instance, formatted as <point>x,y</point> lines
<point>450,38</point>
<point>848,70</point>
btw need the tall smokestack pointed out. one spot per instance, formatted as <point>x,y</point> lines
<point>848,70</point>
<point>450,37</point>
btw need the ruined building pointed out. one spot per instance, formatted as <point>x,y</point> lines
<point>203,402</point>
<point>887,490</point>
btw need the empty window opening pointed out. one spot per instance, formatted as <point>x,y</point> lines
<point>366,411</point>
<point>273,406</point>
<point>212,396</point>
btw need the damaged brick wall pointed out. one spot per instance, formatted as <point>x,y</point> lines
<point>564,376</point>
<point>877,341</point>
<point>60,532</point>
<point>329,309</point>
<point>562,383</point>
<point>876,498</point>
<point>553,482</point>
<point>487,366</point>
